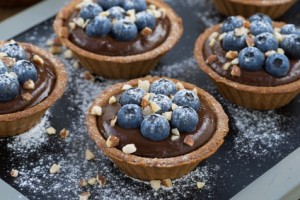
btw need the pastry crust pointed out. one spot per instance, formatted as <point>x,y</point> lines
<point>120,66</point>
<point>254,97</point>
<point>159,168</point>
<point>15,123</point>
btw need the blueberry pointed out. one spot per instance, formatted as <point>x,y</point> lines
<point>25,70</point>
<point>106,4</point>
<point>144,19</point>
<point>277,65</point>
<point>124,30</point>
<point>291,45</point>
<point>155,127</point>
<point>3,68</point>
<point>185,119</point>
<point>231,23</point>
<point>132,96</point>
<point>288,29</point>
<point>163,86</point>
<point>90,11</point>
<point>234,43</point>
<point>9,87</point>
<point>137,5</point>
<point>251,59</point>
<point>266,42</point>
<point>258,27</point>
<point>116,12</point>
<point>260,17</point>
<point>130,116</point>
<point>164,102</point>
<point>13,50</point>
<point>99,26</point>
<point>187,98</point>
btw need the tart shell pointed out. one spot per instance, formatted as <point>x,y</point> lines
<point>120,66</point>
<point>15,123</point>
<point>253,97</point>
<point>159,168</point>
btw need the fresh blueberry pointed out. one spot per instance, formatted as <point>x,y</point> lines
<point>90,11</point>
<point>145,19</point>
<point>163,86</point>
<point>155,127</point>
<point>13,50</point>
<point>277,65</point>
<point>251,59</point>
<point>234,43</point>
<point>132,96</point>
<point>291,45</point>
<point>260,17</point>
<point>9,87</point>
<point>288,29</point>
<point>124,30</point>
<point>187,98</point>
<point>164,102</point>
<point>3,68</point>
<point>106,4</point>
<point>137,5</point>
<point>130,116</point>
<point>231,23</point>
<point>116,12</point>
<point>99,26</point>
<point>25,70</point>
<point>258,27</point>
<point>185,119</point>
<point>266,42</point>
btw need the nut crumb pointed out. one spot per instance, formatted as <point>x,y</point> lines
<point>27,96</point>
<point>179,86</point>
<point>54,169</point>
<point>51,131</point>
<point>211,59</point>
<point>2,55</point>
<point>200,185</point>
<point>101,180</point>
<point>147,111</point>
<point>96,110</point>
<point>214,35</point>
<point>174,106</point>
<point>83,183</point>
<point>155,107</point>
<point>146,31</point>
<point>226,66</point>
<point>112,141</point>
<point>92,181</point>
<point>250,41</point>
<point>113,121</point>
<point>175,131</point>
<point>269,53</point>
<point>112,100</point>
<point>247,24</point>
<point>129,149</point>
<point>167,115</point>
<point>167,183</point>
<point>221,37</point>
<point>236,71</point>
<point>189,140</point>
<point>241,31</point>
<point>212,42</point>
<point>84,196</point>
<point>155,184</point>
<point>72,25</point>
<point>8,61</point>
<point>145,85</point>
<point>280,51</point>
<point>14,173</point>
<point>38,60</point>
<point>64,133</point>
<point>126,87</point>
<point>235,61</point>
<point>89,155</point>
<point>89,76</point>
<point>231,54</point>
<point>29,85</point>
<point>68,54</point>
<point>175,137</point>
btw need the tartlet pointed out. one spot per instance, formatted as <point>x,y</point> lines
<point>152,168</point>
<point>18,122</point>
<point>246,8</point>
<point>119,66</point>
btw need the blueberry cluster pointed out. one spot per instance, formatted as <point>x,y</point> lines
<point>154,125</point>
<point>14,73</point>
<point>122,19</point>
<point>264,52</point>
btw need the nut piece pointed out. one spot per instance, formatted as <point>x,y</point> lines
<point>175,137</point>
<point>269,53</point>
<point>72,25</point>
<point>155,184</point>
<point>174,106</point>
<point>126,87</point>
<point>112,100</point>
<point>155,107</point>
<point>221,37</point>
<point>145,85</point>
<point>247,24</point>
<point>101,180</point>
<point>9,62</point>
<point>96,110</point>
<point>241,31</point>
<point>250,41</point>
<point>92,181</point>
<point>189,140</point>
<point>179,86</point>
<point>129,149</point>
<point>212,42</point>
<point>146,31</point>
<point>231,54</point>
<point>112,141</point>
<point>214,35</point>
<point>278,36</point>
<point>29,85</point>
<point>280,51</point>
<point>14,173</point>
<point>235,61</point>
<point>27,96</point>
<point>2,55</point>
<point>163,12</point>
<point>54,169</point>
<point>51,131</point>
<point>236,71</point>
<point>147,111</point>
<point>68,54</point>
<point>195,91</point>
<point>200,185</point>
<point>64,133</point>
<point>38,60</point>
<point>175,131</point>
<point>89,155</point>
<point>84,196</point>
<point>167,183</point>
<point>83,183</point>
<point>89,76</point>
<point>167,115</point>
<point>113,121</point>
<point>226,66</point>
<point>211,59</point>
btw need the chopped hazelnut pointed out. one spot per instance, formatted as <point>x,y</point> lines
<point>179,86</point>
<point>84,196</point>
<point>211,59</point>
<point>269,53</point>
<point>175,137</point>
<point>147,111</point>
<point>212,42</point>
<point>68,54</point>
<point>146,31</point>
<point>236,71</point>
<point>235,61</point>
<point>280,51</point>
<point>29,85</point>
<point>9,62</point>
<point>200,185</point>
<point>83,183</point>
<point>64,133</point>
<point>101,180</point>
<point>167,183</point>
<point>54,169</point>
<point>72,25</point>
<point>189,140</point>
<point>247,24</point>
<point>27,96</point>
<point>129,149</point>
<point>89,155</point>
<point>113,121</point>
<point>155,107</point>
<point>96,110</point>
<point>195,91</point>
<point>174,106</point>
<point>38,60</point>
<point>112,100</point>
<point>126,87</point>
<point>112,141</point>
<point>226,66</point>
<point>221,37</point>
<point>175,131</point>
<point>214,35</point>
<point>250,41</point>
<point>145,85</point>
<point>155,184</point>
<point>231,54</point>
<point>51,131</point>
<point>92,181</point>
<point>241,31</point>
<point>163,12</point>
<point>2,55</point>
<point>167,115</point>
<point>14,173</point>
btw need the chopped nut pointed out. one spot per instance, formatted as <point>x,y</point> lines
<point>89,155</point>
<point>130,12</point>
<point>214,35</point>
<point>83,183</point>
<point>101,180</point>
<point>155,107</point>
<point>72,25</point>
<point>235,61</point>
<point>29,85</point>
<point>89,76</point>
<point>277,29</point>
<point>14,173</point>
<point>200,185</point>
<point>144,102</point>
<point>236,71</point>
<point>146,31</point>
<point>279,37</point>
<point>79,22</point>
<point>27,96</point>
<point>195,91</point>
<point>211,59</point>
<point>175,137</point>
<point>38,60</point>
<point>131,18</point>
<point>2,55</point>
<point>175,131</point>
<point>145,85</point>
<point>221,37</point>
<point>189,140</point>
<point>269,53</point>
<point>226,66</point>
<point>96,110</point>
<point>280,51</point>
<point>167,183</point>
<point>250,41</point>
<point>84,196</point>
<point>105,14</point>
<point>167,115</point>
<point>126,87</point>
<point>247,24</point>
<point>9,62</point>
<point>212,42</point>
<point>76,64</point>
<point>51,131</point>
<point>174,106</point>
<point>231,54</point>
<point>64,133</point>
<point>129,149</point>
<point>113,121</point>
<point>49,42</point>
<point>163,12</point>
<point>112,141</point>
<point>54,169</point>
<point>241,31</point>
<point>112,100</point>
<point>152,7</point>
<point>157,14</point>
<point>55,49</point>
<point>147,111</point>
<point>68,54</point>
<point>179,86</point>
<point>92,181</point>
<point>155,184</point>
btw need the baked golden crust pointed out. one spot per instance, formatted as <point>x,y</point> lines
<point>159,168</point>
<point>19,122</point>
<point>255,97</point>
<point>120,66</point>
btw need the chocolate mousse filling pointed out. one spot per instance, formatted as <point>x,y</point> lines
<point>257,78</point>
<point>43,87</point>
<point>107,45</point>
<point>157,149</point>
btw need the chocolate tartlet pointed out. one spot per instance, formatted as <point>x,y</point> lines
<point>23,110</point>
<point>105,55</point>
<point>171,156</point>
